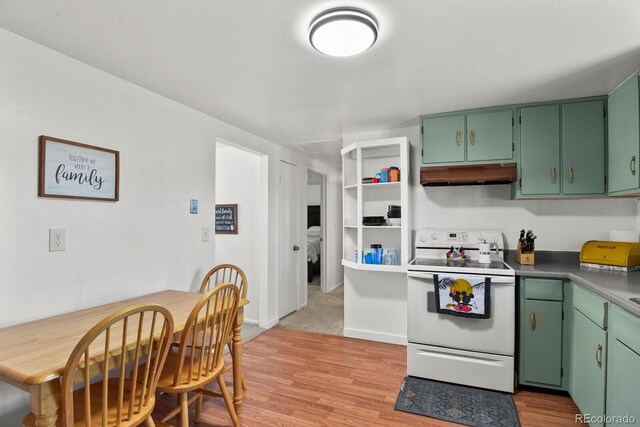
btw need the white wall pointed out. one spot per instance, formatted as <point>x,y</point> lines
<point>559,224</point>
<point>238,181</point>
<point>147,241</point>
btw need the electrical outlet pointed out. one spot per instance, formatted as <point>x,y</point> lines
<point>205,234</point>
<point>56,240</point>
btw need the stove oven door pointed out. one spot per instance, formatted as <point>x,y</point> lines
<point>495,335</point>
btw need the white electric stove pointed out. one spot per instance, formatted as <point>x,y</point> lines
<point>468,351</point>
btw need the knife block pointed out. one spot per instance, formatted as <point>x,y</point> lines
<point>528,258</point>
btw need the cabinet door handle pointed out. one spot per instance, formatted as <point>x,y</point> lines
<point>473,137</point>
<point>599,355</point>
<point>532,315</point>
<point>632,165</point>
<point>459,137</point>
<point>570,174</point>
<point>553,175</point>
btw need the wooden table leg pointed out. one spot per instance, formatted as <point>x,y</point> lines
<point>238,392</point>
<point>45,401</point>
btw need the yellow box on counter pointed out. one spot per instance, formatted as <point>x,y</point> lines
<point>623,256</point>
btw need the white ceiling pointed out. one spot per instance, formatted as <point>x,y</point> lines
<point>248,62</point>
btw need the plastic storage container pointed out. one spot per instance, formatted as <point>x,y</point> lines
<point>394,174</point>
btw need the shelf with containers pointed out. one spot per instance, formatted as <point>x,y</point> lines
<point>362,163</point>
<point>375,295</point>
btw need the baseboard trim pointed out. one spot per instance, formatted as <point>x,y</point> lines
<point>251,321</point>
<point>375,336</point>
<point>335,287</point>
<point>270,323</point>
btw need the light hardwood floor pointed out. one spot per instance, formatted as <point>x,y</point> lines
<point>297,378</point>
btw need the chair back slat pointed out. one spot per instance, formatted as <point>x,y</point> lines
<point>136,363</point>
<point>105,380</point>
<point>122,341</point>
<point>225,273</point>
<point>205,332</point>
<point>122,374</point>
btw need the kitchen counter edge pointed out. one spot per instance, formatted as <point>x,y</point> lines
<point>616,287</point>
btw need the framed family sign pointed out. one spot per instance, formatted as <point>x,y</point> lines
<point>227,219</point>
<point>77,171</point>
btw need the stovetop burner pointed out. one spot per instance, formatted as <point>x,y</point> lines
<point>468,263</point>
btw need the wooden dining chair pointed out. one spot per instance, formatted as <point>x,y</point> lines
<point>197,361</point>
<point>227,273</point>
<point>111,375</point>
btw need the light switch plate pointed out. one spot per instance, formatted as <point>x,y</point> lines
<point>205,234</point>
<point>57,240</point>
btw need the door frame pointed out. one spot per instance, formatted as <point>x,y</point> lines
<point>323,222</point>
<point>262,236</point>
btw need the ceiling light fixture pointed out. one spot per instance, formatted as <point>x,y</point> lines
<point>343,31</point>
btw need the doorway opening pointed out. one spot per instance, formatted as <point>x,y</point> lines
<point>324,311</point>
<point>315,227</point>
<point>241,180</point>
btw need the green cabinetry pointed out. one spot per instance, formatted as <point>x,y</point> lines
<point>624,138</point>
<point>583,148</point>
<point>540,348</point>
<point>443,139</point>
<point>562,150</point>
<point>589,352</point>
<point>474,137</point>
<point>539,150</point>
<point>572,339</point>
<point>623,365</point>
<point>490,136</point>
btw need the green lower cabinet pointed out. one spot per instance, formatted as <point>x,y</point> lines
<point>623,367</point>
<point>541,352</point>
<point>589,366</point>
<point>541,348</point>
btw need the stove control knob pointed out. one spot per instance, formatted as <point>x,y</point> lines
<point>423,238</point>
<point>479,237</point>
<point>434,236</point>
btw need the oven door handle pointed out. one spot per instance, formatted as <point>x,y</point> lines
<point>494,279</point>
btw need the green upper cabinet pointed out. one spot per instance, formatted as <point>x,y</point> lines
<point>443,139</point>
<point>490,136</point>
<point>624,138</point>
<point>562,150</point>
<point>583,148</point>
<point>471,137</point>
<point>540,150</point>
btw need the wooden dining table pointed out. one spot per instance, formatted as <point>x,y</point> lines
<point>33,355</point>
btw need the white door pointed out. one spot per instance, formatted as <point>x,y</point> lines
<point>289,247</point>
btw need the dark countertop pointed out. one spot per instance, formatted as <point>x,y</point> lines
<point>614,286</point>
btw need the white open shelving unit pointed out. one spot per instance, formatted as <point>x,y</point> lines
<point>375,296</point>
<point>363,159</point>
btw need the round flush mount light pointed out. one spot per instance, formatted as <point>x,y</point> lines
<point>343,31</point>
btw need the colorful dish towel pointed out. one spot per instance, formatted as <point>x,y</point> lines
<point>464,296</point>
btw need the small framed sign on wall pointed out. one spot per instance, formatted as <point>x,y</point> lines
<point>227,219</point>
<point>72,170</point>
